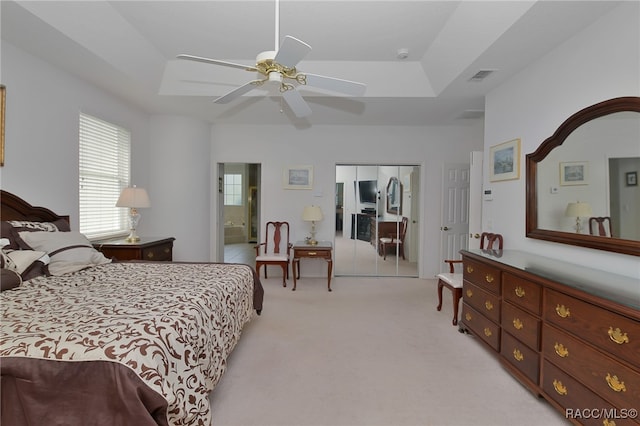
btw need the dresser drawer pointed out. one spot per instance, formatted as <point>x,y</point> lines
<point>482,275</point>
<point>523,293</point>
<point>484,302</point>
<point>522,325</point>
<point>520,356</point>
<point>481,326</point>
<point>578,402</point>
<point>614,333</point>
<point>613,381</point>
<point>158,252</point>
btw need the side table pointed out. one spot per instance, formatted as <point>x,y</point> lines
<point>322,250</point>
<point>148,248</point>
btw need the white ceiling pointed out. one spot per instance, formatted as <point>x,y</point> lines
<point>129,49</point>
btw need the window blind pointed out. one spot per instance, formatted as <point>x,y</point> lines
<point>104,171</point>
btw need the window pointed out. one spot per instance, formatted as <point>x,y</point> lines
<point>104,172</point>
<point>232,189</point>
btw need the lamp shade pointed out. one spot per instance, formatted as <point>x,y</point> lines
<point>312,214</point>
<point>578,210</point>
<point>133,197</point>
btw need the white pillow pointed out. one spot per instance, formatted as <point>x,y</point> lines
<point>69,251</point>
<point>20,260</point>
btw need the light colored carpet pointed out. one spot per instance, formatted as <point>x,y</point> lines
<point>373,352</point>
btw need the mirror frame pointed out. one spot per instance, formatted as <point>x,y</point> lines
<point>394,206</point>
<point>617,245</point>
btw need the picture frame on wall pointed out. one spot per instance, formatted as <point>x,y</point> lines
<point>631,178</point>
<point>504,161</point>
<point>574,173</point>
<point>297,177</point>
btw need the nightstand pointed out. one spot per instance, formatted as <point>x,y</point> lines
<point>148,248</point>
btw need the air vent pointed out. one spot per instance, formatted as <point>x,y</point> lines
<point>481,75</point>
<point>472,114</point>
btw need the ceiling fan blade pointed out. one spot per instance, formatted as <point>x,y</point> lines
<point>297,104</point>
<point>217,62</point>
<point>291,52</point>
<point>238,91</point>
<point>347,87</point>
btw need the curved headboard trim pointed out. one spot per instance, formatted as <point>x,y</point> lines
<point>13,207</point>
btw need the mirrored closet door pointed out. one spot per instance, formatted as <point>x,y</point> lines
<point>377,226</point>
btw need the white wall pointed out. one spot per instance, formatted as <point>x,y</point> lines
<point>600,63</point>
<point>41,135</point>
<point>323,147</point>
<point>170,155</point>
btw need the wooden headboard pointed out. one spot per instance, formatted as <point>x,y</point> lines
<point>13,207</point>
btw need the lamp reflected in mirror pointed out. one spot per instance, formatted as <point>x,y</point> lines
<point>578,210</point>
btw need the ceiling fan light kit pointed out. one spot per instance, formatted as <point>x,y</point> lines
<point>279,67</point>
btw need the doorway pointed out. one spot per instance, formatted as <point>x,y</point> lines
<point>241,206</point>
<point>375,202</point>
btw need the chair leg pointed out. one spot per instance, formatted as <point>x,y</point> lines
<point>457,295</point>
<point>285,275</point>
<point>440,285</point>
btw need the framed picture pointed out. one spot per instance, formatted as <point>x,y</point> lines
<point>632,178</point>
<point>297,177</point>
<point>3,97</point>
<point>574,173</point>
<point>504,161</point>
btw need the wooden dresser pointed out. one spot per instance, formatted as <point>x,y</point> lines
<point>148,248</point>
<point>568,333</point>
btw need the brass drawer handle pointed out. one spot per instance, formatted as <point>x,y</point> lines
<point>312,253</point>
<point>467,316</point>
<point>487,332</point>
<point>517,355</point>
<point>607,422</point>
<point>618,336</point>
<point>561,350</point>
<point>562,311</point>
<point>488,305</point>
<point>469,293</point>
<point>615,383</point>
<point>469,269</point>
<point>489,278</point>
<point>517,324</point>
<point>559,387</point>
<point>519,291</point>
<point>167,250</point>
<point>150,255</point>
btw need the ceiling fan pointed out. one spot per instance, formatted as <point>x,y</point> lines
<point>279,67</point>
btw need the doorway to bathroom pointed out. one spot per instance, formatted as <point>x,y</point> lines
<point>377,227</point>
<point>241,195</point>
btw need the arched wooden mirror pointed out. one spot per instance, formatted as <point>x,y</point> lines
<point>593,158</point>
<point>394,196</point>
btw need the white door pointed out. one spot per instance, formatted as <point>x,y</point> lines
<point>475,200</point>
<point>454,227</point>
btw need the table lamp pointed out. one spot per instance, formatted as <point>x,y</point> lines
<point>578,210</point>
<point>133,198</point>
<point>312,214</point>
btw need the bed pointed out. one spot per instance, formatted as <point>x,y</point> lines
<point>110,343</point>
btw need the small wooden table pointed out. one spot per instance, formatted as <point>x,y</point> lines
<point>322,250</point>
<point>148,248</point>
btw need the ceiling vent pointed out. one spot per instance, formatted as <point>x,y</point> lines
<point>481,75</point>
<point>472,114</point>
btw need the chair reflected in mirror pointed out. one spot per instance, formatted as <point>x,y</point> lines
<point>600,226</point>
<point>276,249</point>
<point>395,240</point>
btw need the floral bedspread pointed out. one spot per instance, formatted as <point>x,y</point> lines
<point>174,324</point>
